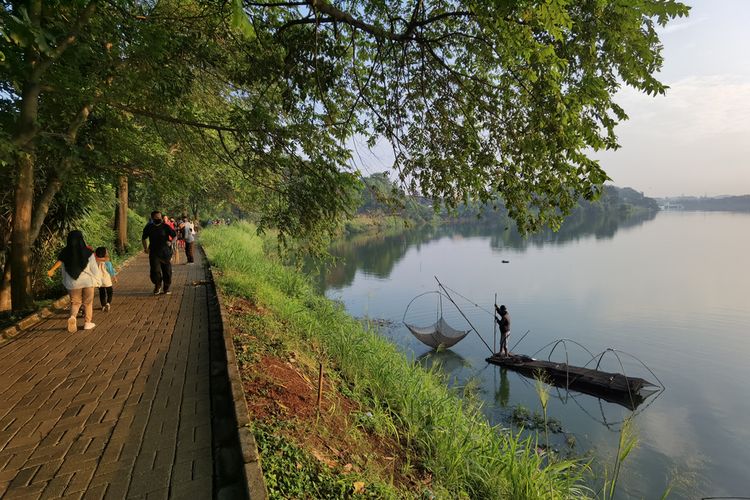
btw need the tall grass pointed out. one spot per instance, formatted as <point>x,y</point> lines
<point>626,443</point>
<point>466,456</point>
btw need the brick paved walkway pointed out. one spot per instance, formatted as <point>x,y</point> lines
<point>121,411</point>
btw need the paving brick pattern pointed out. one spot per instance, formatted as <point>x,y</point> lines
<point>120,411</point>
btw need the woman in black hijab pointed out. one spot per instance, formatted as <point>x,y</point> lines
<point>80,276</point>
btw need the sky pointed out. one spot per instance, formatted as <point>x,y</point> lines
<point>695,141</point>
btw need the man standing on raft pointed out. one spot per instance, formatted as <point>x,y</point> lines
<point>504,322</point>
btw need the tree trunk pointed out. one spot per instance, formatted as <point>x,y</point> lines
<point>5,287</point>
<point>41,207</point>
<point>28,219</point>
<point>20,245</point>
<point>194,209</point>
<point>20,241</point>
<point>116,222</point>
<point>121,215</point>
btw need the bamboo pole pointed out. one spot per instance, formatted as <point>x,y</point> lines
<point>320,385</point>
<point>462,314</point>
<point>494,328</point>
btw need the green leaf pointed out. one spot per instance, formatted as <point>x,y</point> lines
<point>240,21</point>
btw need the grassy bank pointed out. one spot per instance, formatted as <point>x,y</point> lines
<point>367,223</point>
<point>385,409</point>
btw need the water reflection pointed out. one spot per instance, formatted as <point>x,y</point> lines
<point>581,225</point>
<point>443,360</point>
<point>377,254</point>
<point>502,394</point>
<point>374,254</point>
<point>601,385</point>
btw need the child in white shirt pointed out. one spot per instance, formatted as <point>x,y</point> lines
<point>108,277</point>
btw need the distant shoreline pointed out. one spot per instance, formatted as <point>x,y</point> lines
<point>706,204</point>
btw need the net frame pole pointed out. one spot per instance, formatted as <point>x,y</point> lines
<point>462,314</point>
<point>494,328</point>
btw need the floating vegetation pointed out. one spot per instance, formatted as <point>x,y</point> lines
<point>534,420</point>
<point>377,322</point>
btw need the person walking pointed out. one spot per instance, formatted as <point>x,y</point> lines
<point>109,276</point>
<point>80,274</point>
<point>159,252</point>
<point>504,323</point>
<point>172,222</point>
<point>187,231</point>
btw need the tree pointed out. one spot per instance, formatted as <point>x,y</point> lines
<point>477,98</point>
<point>36,51</point>
<point>63,60</point>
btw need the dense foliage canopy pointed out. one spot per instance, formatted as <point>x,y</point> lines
<point>254,103</point>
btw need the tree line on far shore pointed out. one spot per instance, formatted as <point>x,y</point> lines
<point>381,195</point>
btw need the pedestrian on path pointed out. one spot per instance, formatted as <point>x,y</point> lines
<point>109,276</point>
<point>159,250</point>
<point>172,222</point>
<point>187,231</point>
<point>80,274</point>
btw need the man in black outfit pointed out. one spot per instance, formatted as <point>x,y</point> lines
<point>504,322</point>
<point>159,251</point>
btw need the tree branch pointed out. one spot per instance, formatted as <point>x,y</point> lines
<point>306,20</point>
<point>276,4</point>
<point>173,119</point>
<point>78,121</point>
<point>378,32</point>
<point>41,208</point>
<point>430,20</point>
<point>66,42</point>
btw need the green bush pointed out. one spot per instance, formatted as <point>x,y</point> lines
<point>311,479</point>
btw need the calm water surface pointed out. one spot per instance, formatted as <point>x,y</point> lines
<point>673,291</point>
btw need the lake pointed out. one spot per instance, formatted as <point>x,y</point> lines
<point>672,290</point>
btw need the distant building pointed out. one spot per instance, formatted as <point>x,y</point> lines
<point>671,205</point>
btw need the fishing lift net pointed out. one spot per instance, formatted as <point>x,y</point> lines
<point>439,333</point>
<point>638,389</point>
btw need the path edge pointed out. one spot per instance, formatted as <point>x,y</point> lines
<point>253,473</point>
<point>27,322</point>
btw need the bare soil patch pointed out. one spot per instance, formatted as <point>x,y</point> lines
<point>283,393</point>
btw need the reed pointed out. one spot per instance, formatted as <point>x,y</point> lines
<point>450,436</point>
<point>626,443</point>
<point>542,392</point>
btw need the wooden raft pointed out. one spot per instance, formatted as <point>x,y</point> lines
<point>612,387</point>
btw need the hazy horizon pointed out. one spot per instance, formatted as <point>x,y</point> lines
<point>685,195</point>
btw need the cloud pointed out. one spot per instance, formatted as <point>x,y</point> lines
<point>676,26</point>
<point>693,107</point>
<point>681,25</point>
<point>694,140</point>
